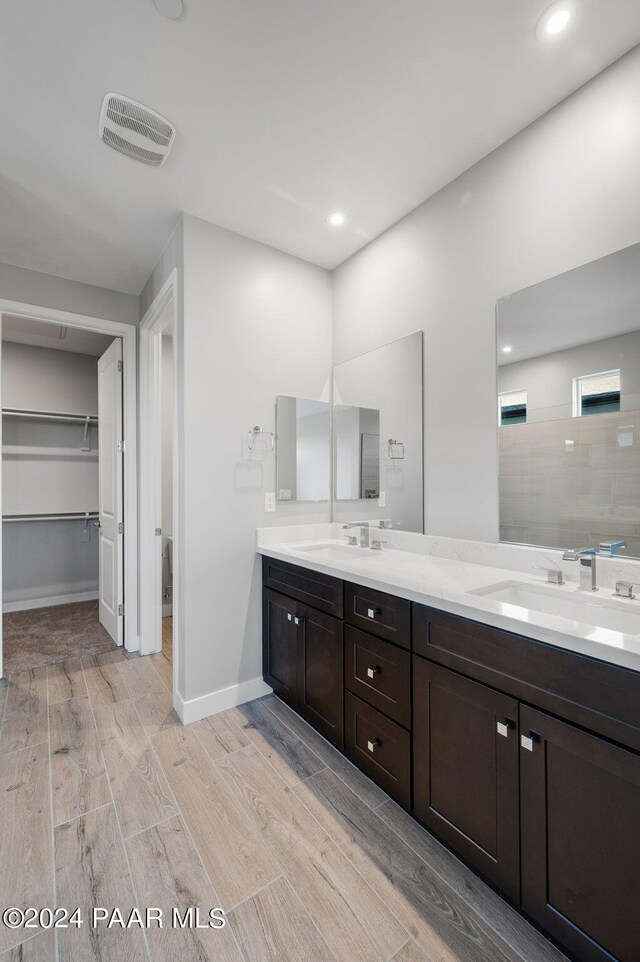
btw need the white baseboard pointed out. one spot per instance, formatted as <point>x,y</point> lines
<point>28,604</point>
<point>216,701</point>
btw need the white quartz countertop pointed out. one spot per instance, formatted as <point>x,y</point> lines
<point>446,583</point>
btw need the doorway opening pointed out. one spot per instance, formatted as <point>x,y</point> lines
<point>66,557</point>
<point>159,528</point>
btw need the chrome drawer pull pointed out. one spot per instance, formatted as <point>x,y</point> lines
<point>290,617</point>
<point>374,744</point>
<point>298,621</point>
<point>527,742</point>
<point>372,612</point>
<point>372,672</point>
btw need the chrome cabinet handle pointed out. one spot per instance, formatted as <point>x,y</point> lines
<point>374,744</point>
<point>289,617</point>
<point>527,741</point>
<point>298,621</point>
<point>503,727</point>
<point>372,612</point>
<point>372,672</point>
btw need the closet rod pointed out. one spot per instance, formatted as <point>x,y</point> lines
<point>49,416</point>
<point>72,516</point>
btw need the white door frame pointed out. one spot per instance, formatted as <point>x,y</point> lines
<point>151,329</point>
<point>128,333</point>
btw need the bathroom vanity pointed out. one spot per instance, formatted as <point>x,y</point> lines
<point>522,754</point>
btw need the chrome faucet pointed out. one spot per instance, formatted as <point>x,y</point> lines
<point>611,548</point>
<point>587,559</point>
<point>364,531</point>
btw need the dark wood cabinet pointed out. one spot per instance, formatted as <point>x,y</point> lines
<point>523,757</point>
<point>303,661</point>
<point>580,838</point>
<point>320,672</point>
<point>280,646</point>
<point>465,763</point>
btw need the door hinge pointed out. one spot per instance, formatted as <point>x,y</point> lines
<point>120,609</point>
<point>158,532</point>
<point>120,365</point>
<point>120,527</point>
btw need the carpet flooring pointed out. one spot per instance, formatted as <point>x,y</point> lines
<point>44,636</point>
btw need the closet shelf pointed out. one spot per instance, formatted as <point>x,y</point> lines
<point>70,516</point>
<point>49,416</point>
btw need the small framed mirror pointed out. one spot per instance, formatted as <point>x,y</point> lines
<point>303,449</point>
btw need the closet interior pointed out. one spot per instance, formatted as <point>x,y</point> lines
<point>50,493</point>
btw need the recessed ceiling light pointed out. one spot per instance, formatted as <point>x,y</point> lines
<point>171,9</point>
<point>555,19</point>
<point>336,219</point>
<point>507,350</point>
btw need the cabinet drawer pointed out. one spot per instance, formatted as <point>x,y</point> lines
<point>379,673</point>
<point>379,747</point>
<point>313,588</point>
<point>591,693</point>
<point>378,612</point>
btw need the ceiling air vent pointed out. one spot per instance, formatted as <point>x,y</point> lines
<point>135,130</point>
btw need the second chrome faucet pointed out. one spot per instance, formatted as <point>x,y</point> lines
<point>587,559</point>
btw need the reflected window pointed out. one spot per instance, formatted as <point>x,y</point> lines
<point>596,393</point>
<point>512,407</point>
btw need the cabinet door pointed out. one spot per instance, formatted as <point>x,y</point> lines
<point>580,838</point>
<point>465,764</point>
<point>321,672</point>
<point>280,645</point>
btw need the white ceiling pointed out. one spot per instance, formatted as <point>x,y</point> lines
<point>285,109</point>
<point>27,330</point>
<point>590,303</point>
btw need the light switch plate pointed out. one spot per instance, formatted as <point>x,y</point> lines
<point>270,502</point>
<point>382,499</point>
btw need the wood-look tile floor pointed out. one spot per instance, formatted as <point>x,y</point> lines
<point>106,799</point>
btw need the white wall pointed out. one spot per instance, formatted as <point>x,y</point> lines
<point>548,379</point>
<point>563,192</point>
<point>45,380</point>
<point>255,323</point>
<point>60,294</point>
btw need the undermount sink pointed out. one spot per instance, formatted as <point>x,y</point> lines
<point>333,550</point>
<point>598,610</point>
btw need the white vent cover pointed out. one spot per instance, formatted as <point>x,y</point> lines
<point>135,131</point>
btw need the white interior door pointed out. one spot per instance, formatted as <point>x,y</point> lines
<point>110,501</point>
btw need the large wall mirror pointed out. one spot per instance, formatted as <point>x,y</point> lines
<point>378,436</point>
<point>568,408</point>
<point>303,449</point>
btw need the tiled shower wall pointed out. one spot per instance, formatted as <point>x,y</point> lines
<point>571,483</point>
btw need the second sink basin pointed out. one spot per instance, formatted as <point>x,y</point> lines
<point>568,602</point>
